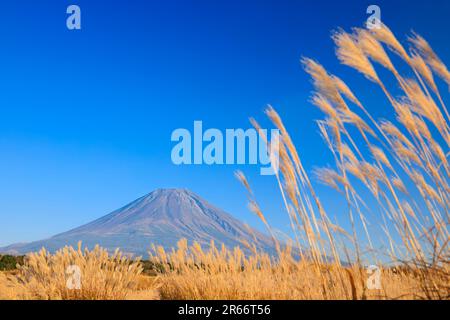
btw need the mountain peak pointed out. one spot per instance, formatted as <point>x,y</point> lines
<point>168,191</point>
<point>171,190</point>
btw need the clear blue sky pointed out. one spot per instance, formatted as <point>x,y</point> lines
<point>86,116</point>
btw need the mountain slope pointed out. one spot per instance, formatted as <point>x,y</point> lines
<point>162,217</point>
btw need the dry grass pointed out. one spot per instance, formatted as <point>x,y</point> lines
<point>146,289</point>
<point>7,289</point>
<point>45,276</point>
<point>192,273</point>
<point>402,164</point>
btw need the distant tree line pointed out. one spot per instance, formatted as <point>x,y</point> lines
<point>152,268</point>
<point>8,262</point>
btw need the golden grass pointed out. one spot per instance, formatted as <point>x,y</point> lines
<point>45,276</point>
<point>402,164</point>
<point>7,290</point>
<point>193,273</point>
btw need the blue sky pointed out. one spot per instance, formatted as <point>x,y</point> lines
<point>86,116</point>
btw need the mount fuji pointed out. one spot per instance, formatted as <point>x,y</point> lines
<point>162,217</point>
